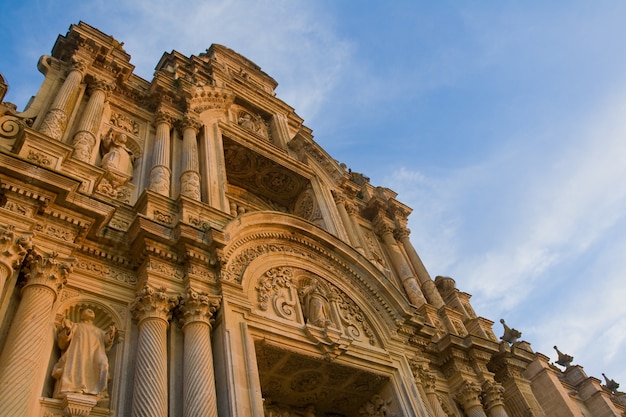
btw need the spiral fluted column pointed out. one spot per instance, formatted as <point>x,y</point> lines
<point>427,284</point>
<point>55,121</point>
<point>152,308</point>
<point>384,228</point>
<point>199,397</point>
<point>28,339</point>
<point>190,176</point>
<point>428,381</point>
<point>85,139</point>
<point>160,173</point>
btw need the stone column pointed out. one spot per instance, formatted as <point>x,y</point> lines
<point>428,381</point>
<point>384,228</point>
<point>160,174</point>
<point>85,139</point>
<point>55,121</point>
<point>493,394</point>
<point>13,249</point>
<point>152,309</point>
<point>340,202</point>
<point>190,167</point>
<point>469,398</point>
<point>199,397</point>
<point>353,213</point>
<point>29,340</point>
<point>215,184</point>
<point>427,284</point>
<point>279,128</point>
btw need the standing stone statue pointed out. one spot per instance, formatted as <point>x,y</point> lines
<point>315,304</point>
<point>83,367</point>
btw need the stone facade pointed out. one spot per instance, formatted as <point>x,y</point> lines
<point>183,247</point>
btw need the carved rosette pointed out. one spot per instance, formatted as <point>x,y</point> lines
<point>198,307</point>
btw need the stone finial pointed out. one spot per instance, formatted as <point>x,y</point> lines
<point>510,335</point>
<point>611,385</point>
<point>564,359</point>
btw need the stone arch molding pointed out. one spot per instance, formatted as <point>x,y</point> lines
<point>277,258</point>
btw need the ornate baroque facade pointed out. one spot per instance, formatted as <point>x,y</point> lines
<point>182,247</point>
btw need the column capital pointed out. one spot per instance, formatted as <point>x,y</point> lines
<point>493,394</point>
<point>468,395</point>
<point>428,379</point>
<point>199,307</point>
<point>78,64</point>
<point>153,303</point>
<point>14,246</point>
<point>402,233</point>
<point>47,270</point>
<point>190,122</point>
<point>162,117</point>
<point>383,225</point>
<point>339,197</point>
<point>100,84</point>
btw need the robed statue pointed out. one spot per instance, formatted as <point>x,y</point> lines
<point>83,367</point>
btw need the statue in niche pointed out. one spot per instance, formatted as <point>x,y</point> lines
<point>315,305</point>
<point>83,367</point>
<point>117,162</point>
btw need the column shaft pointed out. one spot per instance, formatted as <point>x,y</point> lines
<point>411,286</point>
<point>215,184</point>
<point>428,286</point>
<point>160,174</point>
<point>190,177</point>
<point>150,387</point>
<point>435,405</point>
<point>55,121</point>
<point>199,379</point>
<point>85,139</point>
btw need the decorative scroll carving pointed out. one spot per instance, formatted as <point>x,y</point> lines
<point>107,272</point>
<point>271,292</point>
<point>352,317</point>
<point>125,123</point>
<point>376,407</point>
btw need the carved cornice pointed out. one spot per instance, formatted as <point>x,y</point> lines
<point>153,303</point>
<point>210,98</point>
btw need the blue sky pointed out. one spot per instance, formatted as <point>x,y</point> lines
<point>501,123</point>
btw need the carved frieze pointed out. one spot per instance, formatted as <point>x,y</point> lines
<point>103,271</point>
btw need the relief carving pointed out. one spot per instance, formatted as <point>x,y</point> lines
<point>274,290</point>
<point>117,162</point>
<point>83,367</point>
<point>314,300</point>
